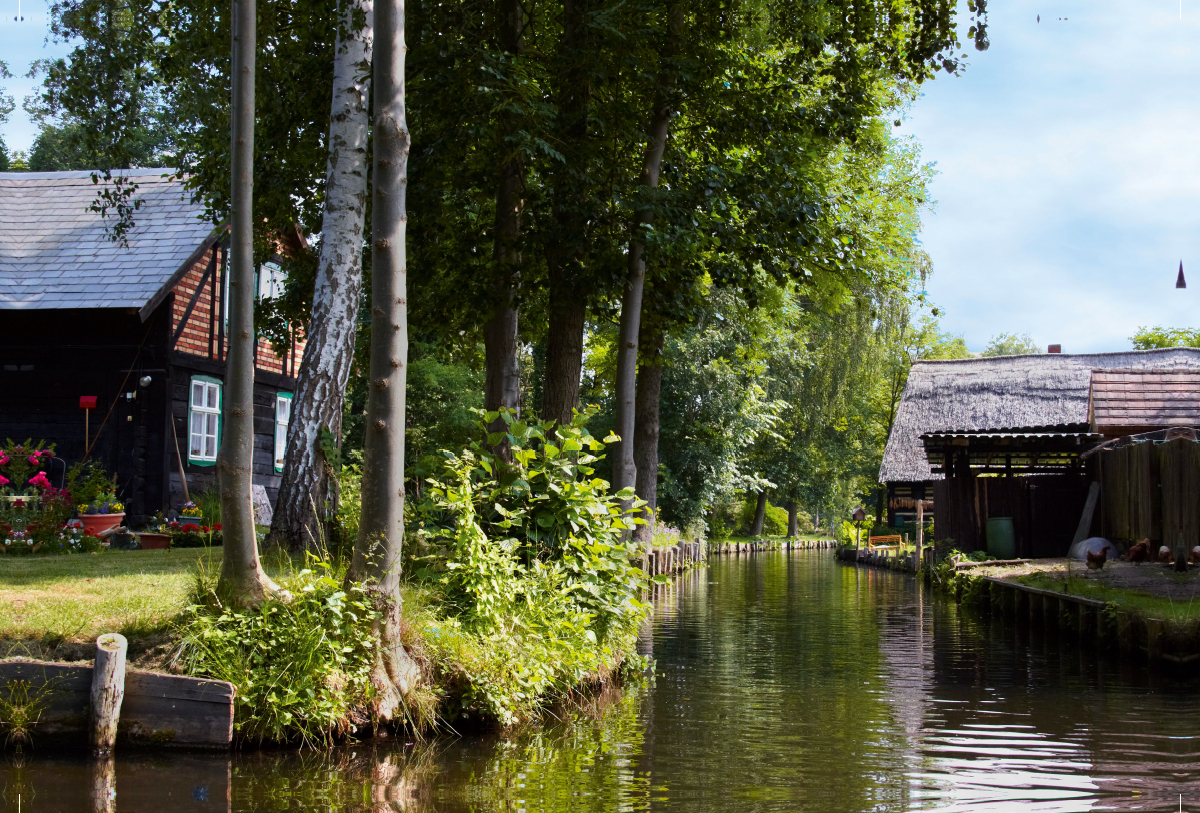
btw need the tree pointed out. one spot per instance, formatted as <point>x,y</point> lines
<point>1010,344</point>
<point>377,551</point>
<point>329,351</point>
<point>6,108</point>
<point>1148,338</point>
<point>242,578</point>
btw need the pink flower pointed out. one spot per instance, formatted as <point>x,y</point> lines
<point>3,480</point>
<point>34,460</point>
<point>47,453</point>
<point>39,480</point>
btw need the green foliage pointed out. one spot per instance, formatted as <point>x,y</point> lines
<point>530,565</point>
<point>1010,344</point>
<point>775,519</point>
<point>301,666</point>
<point>90,485</point>
<point>21,707</point>
<point>1149,338</point>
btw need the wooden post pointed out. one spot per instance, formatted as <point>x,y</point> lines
<point>108,690</point>
<point>920,535</point>
<point>103,792</point>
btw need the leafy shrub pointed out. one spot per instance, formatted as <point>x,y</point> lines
<point>300,666</point>
<point>775,520</point>
<point>530,562</point>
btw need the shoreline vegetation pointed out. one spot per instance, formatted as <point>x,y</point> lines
<point>521,587</point>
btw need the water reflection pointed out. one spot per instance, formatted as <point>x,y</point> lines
<point>783,682</point>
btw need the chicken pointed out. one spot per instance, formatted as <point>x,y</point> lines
<point>1164,554</point>
<point>1196,554</point>
<point>1139,552</point>
<point>1095,561</point>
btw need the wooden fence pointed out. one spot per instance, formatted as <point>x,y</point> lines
<point>1151,490</point>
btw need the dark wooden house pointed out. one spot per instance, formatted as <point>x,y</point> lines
<point>1010,437</point>
<point>139,327</point>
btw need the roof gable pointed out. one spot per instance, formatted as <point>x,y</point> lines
<point>54,252</point>
<point>1007,392</point>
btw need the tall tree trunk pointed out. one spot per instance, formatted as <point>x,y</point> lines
<point>242,578</point>
<point>760,514</point>
<point>502,386</point>
<point>567,307</point>
<point>624,468</point>
<point>329,353</point>
<point>793,519</point>
<point>381,530</point>
<point>646,431</point>
<point>564,354</point>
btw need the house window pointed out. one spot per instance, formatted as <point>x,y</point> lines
<point>283,416</point>
<point>204,420</point>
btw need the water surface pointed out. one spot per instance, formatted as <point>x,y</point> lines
<point>783,682</point>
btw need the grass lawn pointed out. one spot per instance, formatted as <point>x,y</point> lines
<point>1168,601</point>
<point>75,598</point>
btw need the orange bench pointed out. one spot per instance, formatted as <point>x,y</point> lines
<point>884,542</point>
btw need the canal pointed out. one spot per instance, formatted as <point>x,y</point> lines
<point>783,682</point>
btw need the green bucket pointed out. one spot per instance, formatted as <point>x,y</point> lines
<point>1001,541</point>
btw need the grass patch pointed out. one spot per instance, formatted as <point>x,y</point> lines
<point>1122,598</point>
<point>75,598</point>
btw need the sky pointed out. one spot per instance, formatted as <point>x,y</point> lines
<point>1068,185</point>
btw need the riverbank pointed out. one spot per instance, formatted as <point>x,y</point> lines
<point>300,666</point>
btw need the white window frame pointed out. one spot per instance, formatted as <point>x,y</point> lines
<point>283,419</point>
<point>204,420</point>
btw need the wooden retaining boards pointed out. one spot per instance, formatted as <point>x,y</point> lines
<point>158,709</point>
<point>1086,602</point>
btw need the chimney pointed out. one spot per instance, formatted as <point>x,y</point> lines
<point>1054,348</point>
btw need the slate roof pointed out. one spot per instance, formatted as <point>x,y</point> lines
<point>1005,392</point>
<point>1145,399</point>
<point>54,252</point>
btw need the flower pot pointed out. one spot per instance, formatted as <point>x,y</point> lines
<point>153,541</point>
<point>99,523</point>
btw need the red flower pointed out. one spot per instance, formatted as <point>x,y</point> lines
<point>217,527</point>
<point>204,528</point>
<point>191,529</point>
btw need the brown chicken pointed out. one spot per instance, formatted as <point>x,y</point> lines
<point>1095,561</point>
<point>1164,554</point>
<point>1139,552</point>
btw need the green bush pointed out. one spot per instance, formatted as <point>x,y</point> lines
<point>301,666</point>
<point>536,579</point>
<point>775,520</point>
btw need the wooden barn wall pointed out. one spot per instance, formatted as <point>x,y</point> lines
<point>49,358</point>
<point>1151,490</point>
<point>1045,511</point>
<point>199,478</point>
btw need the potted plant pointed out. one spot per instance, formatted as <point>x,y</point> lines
<point>157,535</point>
<point>95,496</point>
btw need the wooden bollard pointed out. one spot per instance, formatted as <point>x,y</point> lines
<point>108,690</point>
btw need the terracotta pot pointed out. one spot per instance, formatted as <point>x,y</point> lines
<point>153,541</point>
<point>99,523</point>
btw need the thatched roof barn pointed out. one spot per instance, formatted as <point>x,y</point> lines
<point>1006,392</point>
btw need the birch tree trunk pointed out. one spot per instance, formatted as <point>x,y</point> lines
<point>329,352</point>
<point>624,467</point>
<point>646,428</point>
<point>376,560</point>
<point>242,578</point>
<point>502,386</point>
